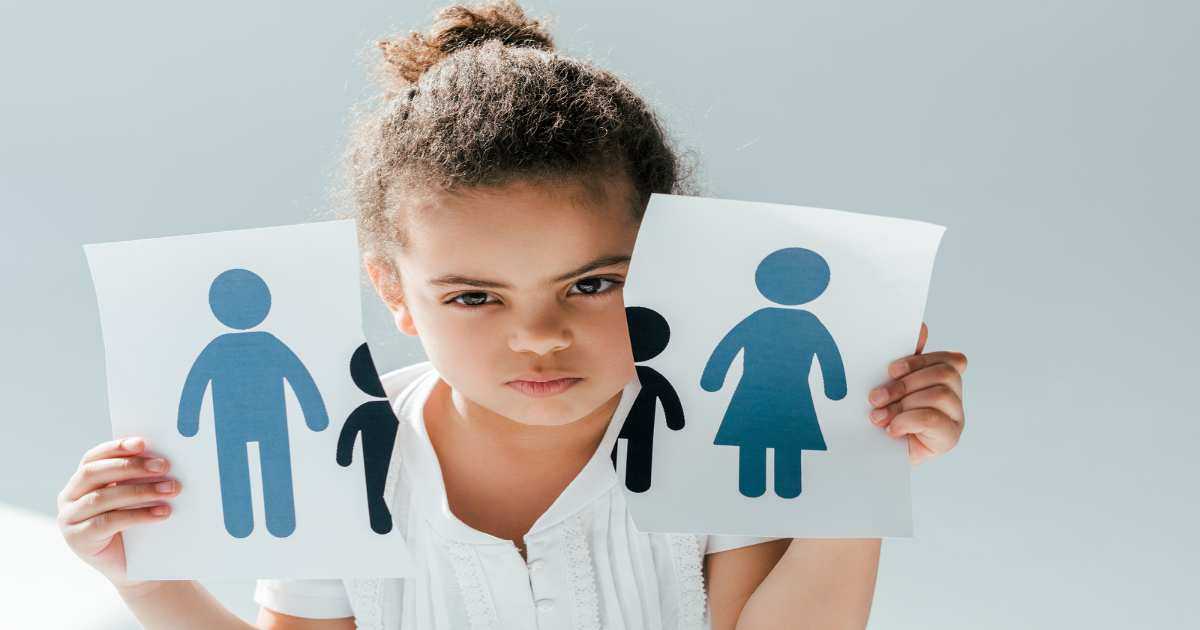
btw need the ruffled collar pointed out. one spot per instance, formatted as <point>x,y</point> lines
<point>414,451</point>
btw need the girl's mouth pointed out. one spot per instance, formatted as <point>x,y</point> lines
<point>545,388</point>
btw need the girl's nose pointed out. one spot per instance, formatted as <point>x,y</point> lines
<point>544,334</point>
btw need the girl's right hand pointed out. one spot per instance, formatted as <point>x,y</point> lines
<point>116,485</point>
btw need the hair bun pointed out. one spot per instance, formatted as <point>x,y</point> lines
<point>457,27</point>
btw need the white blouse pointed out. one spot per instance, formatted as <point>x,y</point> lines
<point>588,565</point>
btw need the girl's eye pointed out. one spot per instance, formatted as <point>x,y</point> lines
<point>473,299</point>
<point>596,291</point>
<point>476,299</point>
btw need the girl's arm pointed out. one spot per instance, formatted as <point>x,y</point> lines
<point>187,605</point>
<point>794,583</point>
<point>179,604</point>
<point>731,577</point>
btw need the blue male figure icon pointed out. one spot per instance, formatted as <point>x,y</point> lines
<point>247,371</point>
<point>772,406</point>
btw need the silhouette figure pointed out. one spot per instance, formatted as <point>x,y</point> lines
<point>378,425</point>
<point>648,334</point>
<point>772,406</point>
<point>248,371</point>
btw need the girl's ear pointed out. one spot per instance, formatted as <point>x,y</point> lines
<point>386,281</point>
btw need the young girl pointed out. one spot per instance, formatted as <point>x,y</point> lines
<point>499,186</point>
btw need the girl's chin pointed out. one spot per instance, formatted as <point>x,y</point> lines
<point>546,412</point>
<point>541,414</point>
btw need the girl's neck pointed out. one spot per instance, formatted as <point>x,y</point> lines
<point>468,418</point>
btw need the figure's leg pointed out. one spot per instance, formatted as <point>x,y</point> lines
<point>752,470</point>
<point>278,498</point>
<point>638,464</point>
<point>376,474</point>
<point>787,472</point>
<point>233,466</point>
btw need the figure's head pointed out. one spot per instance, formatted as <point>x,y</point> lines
<point>793,275</point>
<point>499,188</point>
<point>362,371</point>
<point>648,332</point>
<point>239,298</point>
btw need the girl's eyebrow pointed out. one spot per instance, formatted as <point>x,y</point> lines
<point>454,279</point>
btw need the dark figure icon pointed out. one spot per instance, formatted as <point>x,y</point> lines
<point>772,406</point>
<point>378,425</point>
<point>248,371</point>
<point>648,334</point>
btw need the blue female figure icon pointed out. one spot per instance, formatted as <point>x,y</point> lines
<point>247,371</point>
<point>772,406</point>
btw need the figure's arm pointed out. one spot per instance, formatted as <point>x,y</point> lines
<point>346,439</point>
<point>713,377</point>
<point>192,397</point>
<point>672,407</point>
<point>833,372</point>
<point>311,404</point>
<point>809,583</point>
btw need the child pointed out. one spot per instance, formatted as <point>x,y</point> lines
<point>499,186</point>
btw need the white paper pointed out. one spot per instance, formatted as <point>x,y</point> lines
<point>695,264</point>
<point>156,317</point>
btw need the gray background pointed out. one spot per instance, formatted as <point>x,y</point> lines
<point>1055,140</point>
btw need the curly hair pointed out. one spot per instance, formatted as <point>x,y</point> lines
<point>483,99</point>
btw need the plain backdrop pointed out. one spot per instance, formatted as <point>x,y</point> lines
<point>1055,140</point>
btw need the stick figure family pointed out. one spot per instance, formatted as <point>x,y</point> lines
<point>248,370</point>
<point>772,405</point>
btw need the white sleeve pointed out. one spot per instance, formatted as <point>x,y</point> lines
<point>313,599</point>
<point>723,542</point>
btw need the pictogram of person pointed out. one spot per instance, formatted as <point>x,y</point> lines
<point>248,371</point>
<point>772,406</point>
<point>377,424</point>
<point>648,335</point>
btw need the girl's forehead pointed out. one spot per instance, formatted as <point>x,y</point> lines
<point>518,229</point>
<point>596,193</point>
<point>524,210</point>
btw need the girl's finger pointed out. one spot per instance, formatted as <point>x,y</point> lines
<point>114,448</point>
<point>938,396</point>
<point>935,374</point>
<point>120,447</point>
<point>917,452</point>
<point>100,473</point>
<point>117,497</point>
<point>914,362</point>
<point>101,527</point>
<point>934,429</point>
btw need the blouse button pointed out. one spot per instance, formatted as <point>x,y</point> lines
<point>545,605</point>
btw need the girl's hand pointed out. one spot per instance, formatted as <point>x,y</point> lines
<point>115,487</point>
<point>923,402</point>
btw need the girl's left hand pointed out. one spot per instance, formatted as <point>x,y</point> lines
<point>923,401</point>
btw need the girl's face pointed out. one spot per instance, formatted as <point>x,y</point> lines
<point>518,282</point>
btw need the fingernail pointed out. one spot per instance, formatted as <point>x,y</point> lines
<point>165,486</point>
<point>878,396</point>
<point>878,414</point>
<point>159,510</point>
<point>131,444</point>
<point>156,465</point>
<point>897,369</point>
